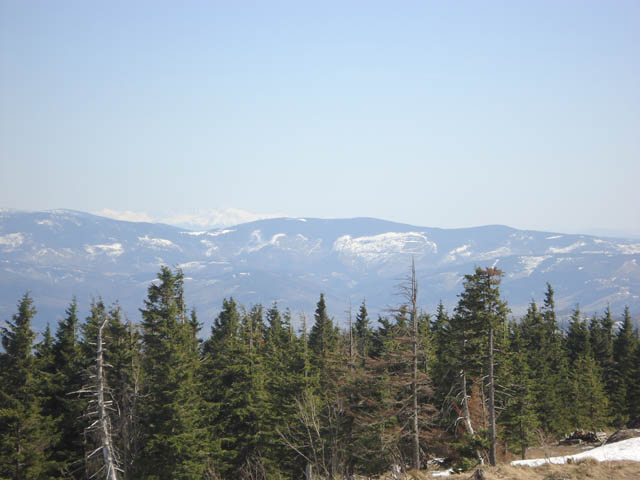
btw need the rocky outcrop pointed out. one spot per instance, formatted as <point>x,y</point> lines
<point>582,436</point>
<point>624,434</point>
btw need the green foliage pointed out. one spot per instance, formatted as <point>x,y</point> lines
<point>519,419</point>
<point>577,342</point>
<point>172,434</point>
<point>68,405</point>
<point>324,336</point>
<point>255,400</point>
<point>589,404</point>
<point>27,435</point>
<point>626,374</point>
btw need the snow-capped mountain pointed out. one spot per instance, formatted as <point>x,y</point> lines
<point>59,254</point>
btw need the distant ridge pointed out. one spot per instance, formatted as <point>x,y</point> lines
<point>60,253</point>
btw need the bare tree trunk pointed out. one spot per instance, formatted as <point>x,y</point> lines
<point>350,337</point>
<point>105,433</point>
<point>308,474</point>
<point>414,383</point>
<point>492,410</point>
<point>467,413</point>
<point>465,405</point>
<point>305,345</point>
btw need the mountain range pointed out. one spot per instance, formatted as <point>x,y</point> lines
<point>62,253</point>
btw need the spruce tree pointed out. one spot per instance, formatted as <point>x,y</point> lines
<point>236,396</point>
<point>26,433</point>
<point>552,386</point>
<point>68,405</point>
<point>124,376</point>
<point>362,332</point>
<point>171,412</point>
<point>519,419</point>
<point>577,341</point>
<point>624,346</point>
<point>323,337</point>
<point>589,405</point>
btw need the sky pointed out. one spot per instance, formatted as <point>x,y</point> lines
<point>441,114</point>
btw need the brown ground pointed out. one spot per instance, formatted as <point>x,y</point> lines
<point>547,451</point>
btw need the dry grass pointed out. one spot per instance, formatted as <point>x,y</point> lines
<point>547,451</point>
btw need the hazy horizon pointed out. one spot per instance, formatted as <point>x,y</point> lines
<point>430,114</point>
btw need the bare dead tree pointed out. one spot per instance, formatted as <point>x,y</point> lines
<point>103,417</point>
<point>100,426</point>
<point>408,289</point>
<point>349,312</point>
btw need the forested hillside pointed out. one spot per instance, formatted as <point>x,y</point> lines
<point>102,397</point>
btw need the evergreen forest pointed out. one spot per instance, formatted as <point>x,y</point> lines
<point>264,395</point>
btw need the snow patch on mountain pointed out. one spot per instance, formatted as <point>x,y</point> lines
<point>257,243</point>
<point>461,251</point>
<point>11,241</point>
<point>220,232</point>
<point>497,253</point>
<point>157,243</point>
<point>529,264</point>
<point>112,250</point>
<point>567,249</point>
<point>191,266</point>
<point>377,248</point>
<point>629,249</point>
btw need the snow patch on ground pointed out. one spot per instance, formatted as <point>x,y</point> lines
<point>568,249</point>
<point>554,237</point>
<point>380,247</point>
<point>444,473</point>
<point>157,243</point>
<point>626,450</point>
<point>112,250</point>
<point>11,241</point>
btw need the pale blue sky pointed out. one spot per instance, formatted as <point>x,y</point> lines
<point>432,113</point>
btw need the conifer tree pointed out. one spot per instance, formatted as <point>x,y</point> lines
<point>602,349</point>
<point>284,380</point>
<point>551,384</point>
<point>624,346</point>
<point>519,418</point>
<point>173,437</point>
<point>26,433</point>
<point>237,398</point>
<point>323,336</point>
<point>479,313</point>
<point>68,406</point>
<point>634,382</point>
<point>124,376</point>
<point>577,342</point>
<point>362,332</point>
<point>589,404</point>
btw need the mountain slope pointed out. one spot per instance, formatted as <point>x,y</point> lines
<point>61,253</point>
